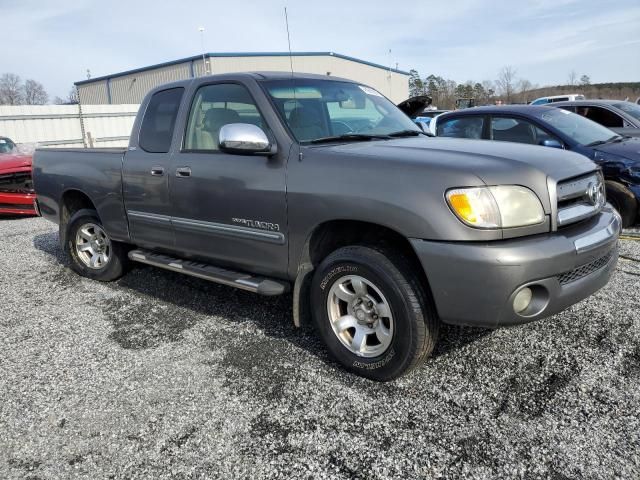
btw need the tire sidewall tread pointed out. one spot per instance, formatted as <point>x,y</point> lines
<point>415,320</point>
<point>115,267</point>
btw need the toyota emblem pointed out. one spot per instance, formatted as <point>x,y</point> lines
<point>596,194</point>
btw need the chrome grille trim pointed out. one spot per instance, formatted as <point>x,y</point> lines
<point>573,199</point>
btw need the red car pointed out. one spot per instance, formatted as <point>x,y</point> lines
<point>16,188</point>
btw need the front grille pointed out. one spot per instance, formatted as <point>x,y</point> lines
<point>584,270</point>
<point>16,182</point>
<point>580,198</point>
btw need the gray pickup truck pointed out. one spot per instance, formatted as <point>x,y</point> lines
<point>272,182</point>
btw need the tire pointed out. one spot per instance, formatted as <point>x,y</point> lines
<point>624,201</point>
<point>400,336</point>
<point>85,237</point>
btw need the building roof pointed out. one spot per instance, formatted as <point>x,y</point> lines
<point>241,54</point>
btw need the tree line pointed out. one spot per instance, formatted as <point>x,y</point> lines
<point>507,87</point>
<point>13,91</point>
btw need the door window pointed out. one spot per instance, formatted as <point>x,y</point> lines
<point>159,120</point>
<point>465,127</point>
<point>510,129</point>
<point>215,106</point>
<point>602,116</point>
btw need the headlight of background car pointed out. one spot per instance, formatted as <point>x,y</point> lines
<point>504,206</point>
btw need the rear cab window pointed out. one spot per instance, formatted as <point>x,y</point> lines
<point>159,120</point>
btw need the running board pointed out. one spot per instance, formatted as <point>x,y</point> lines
<point>243,281</point>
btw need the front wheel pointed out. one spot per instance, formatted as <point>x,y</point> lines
<point>373,313</point>
<point>93,254</point>
<point>624,201</point>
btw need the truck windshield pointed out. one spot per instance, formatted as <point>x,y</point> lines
<point>323,109</point>
<point>578,128</point>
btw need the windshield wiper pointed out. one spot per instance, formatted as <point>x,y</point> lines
<point>615,138</point>
<point>410,133</point>
<point>350,137</point>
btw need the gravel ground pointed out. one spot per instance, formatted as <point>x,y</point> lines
<point>164,376</point>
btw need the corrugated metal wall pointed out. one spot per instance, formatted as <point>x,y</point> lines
<point>59,125</point>
<point>94,93</point>
<point>133,87</point>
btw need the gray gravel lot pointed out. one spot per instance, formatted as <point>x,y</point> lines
<point>164,376</point>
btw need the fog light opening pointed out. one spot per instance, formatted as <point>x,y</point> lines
<point>522,300</point>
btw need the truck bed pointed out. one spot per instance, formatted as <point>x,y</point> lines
<point>86,173</point>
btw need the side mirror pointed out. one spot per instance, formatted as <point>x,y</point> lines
<point>245,138</point>
<point>549,142</point>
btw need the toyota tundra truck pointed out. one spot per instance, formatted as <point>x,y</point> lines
<point>320,186</point>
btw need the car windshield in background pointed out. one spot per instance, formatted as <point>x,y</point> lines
<point>580,129</point>
<point>630,108</point>
<point>318,110</point>
<point>6,145</point>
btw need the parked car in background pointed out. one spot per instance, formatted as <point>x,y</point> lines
<point>620,116</point>
<point>557,98</point>
<point>548,126</point>
<point>273,182</point>
<point>6,145</point>
<point>426,116</point>
<point>16,187</point>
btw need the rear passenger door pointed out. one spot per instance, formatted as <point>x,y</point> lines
<point>228,209</point>
<point>145,172</point>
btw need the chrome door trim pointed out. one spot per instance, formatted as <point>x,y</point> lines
<point>225,230</point>
<point>149,217</point>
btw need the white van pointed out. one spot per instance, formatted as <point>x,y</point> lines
<point>557,98</point>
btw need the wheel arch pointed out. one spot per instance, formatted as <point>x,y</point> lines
<point>331,235</point>
<point>71,201</point>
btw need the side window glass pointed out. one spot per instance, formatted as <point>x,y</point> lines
<point>215,106</point>
<point>159,121</point>
<point>602,116</point>
<point>466,127</point>
<point>507,129</point>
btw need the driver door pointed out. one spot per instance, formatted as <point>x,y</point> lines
<point>228,208</point>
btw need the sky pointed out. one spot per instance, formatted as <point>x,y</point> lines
<point>56,41</point>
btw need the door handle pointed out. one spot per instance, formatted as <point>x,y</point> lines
<point>183,172</point>
<point>157,171</point>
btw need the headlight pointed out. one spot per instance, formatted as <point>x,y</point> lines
<point>504,206</point>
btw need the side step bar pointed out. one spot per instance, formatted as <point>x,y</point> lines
<point>243,281</point>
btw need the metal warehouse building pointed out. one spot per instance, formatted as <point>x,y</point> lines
<point>131,86</point>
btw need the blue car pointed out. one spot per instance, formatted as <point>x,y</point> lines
<point>619,156</point>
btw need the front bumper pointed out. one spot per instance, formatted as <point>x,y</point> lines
<point>475,283</point>
<point>17,203</point>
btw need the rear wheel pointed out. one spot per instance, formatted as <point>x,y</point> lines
<point>371,310</point>
<point>93,254</point>
<point>624,201</point>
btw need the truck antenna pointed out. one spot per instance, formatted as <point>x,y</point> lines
<point>286,21</point>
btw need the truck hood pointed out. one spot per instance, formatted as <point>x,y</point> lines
<point>461,162</point>
<point>485,159</point>
<point>14,163</point>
